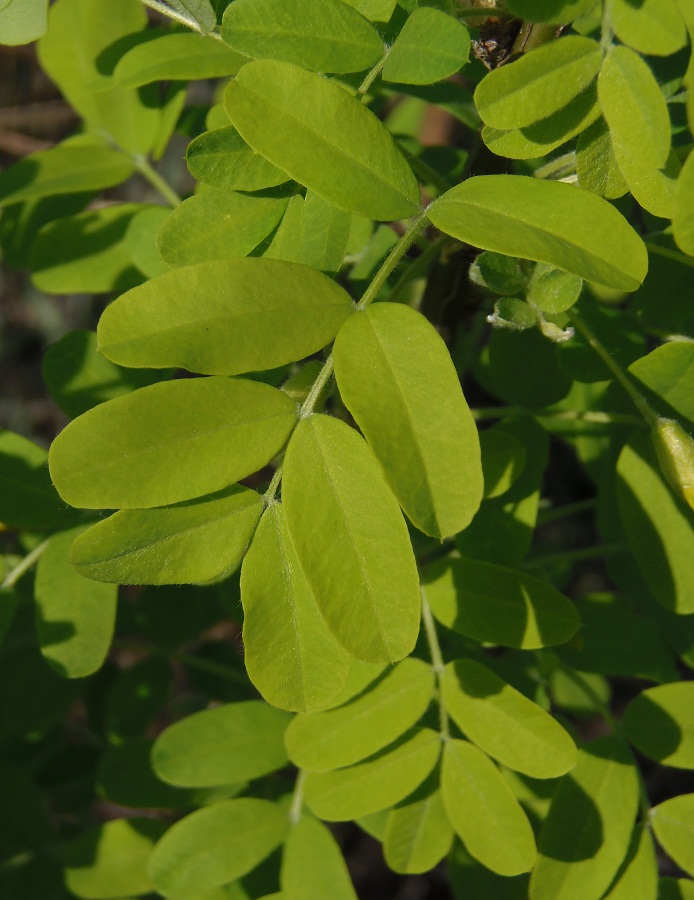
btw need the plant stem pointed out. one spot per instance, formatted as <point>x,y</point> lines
<point>601,550</point>
<point>317,388</point>
<point>562,512</point>
<point>619,374</point>
<point>670,254</point>
<point>567,415</point>
<point>437,663</point>
<point>297,798</point>
<point>419,266</point>
<point>391,261</point>
<point>15,574</point>
<point>145,169</point>
<point>372,75</point>
<point>181,18</point>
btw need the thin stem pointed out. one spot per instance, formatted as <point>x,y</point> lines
<point>150,173</point>
<point>313,395</point>
<point>188,659</point>
<point>391,261</point>
<point>181,18</point>
<point>539,562</point>
<point>372,75</point>
<point>419,266</point>
<point>23,566</point>
<point>437,663</point>
<point>670,254</point>
<point>270,494</point>
<point>563,512</point>
<point>566,415</point>
<point>619,374</point>
<point>297,798</point>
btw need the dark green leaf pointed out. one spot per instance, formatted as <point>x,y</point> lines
<point>660,723</point>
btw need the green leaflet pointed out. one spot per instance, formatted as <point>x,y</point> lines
<point>546,221</point>
<point>323,137</point>
<point>596,164</point>
<point>87,164</point>
<point>79,377</point>
<point>552,290</point>
<point>215,845</point>
<point>374,10</point>
<point>538,84</point>
<point>673,824</point>
<point>74,616</point>
<point>85,253</point>
<point>169,442</point>
<point>290,655</point>
<point>586,835</point>
<point>658,525</point>
<point>683,210</point>
<point>359,677</point>
<point>217,224</point>
<point>653,189</point>
<point>493,604</point>
<point>222,159</point>
<point>322,35</point>
<point>675,889</point>
<point>660,723</point>
<point>22,21</point>
<point>639,880</point>
<point>483,811</point>
<point>313,867</point>
<point>653,27</point>
<point>504,723</point>
<point>225,317</point>
<point>27,497</point>
<point>141,240</point>
<point>195,541</point>
<point>312,232</point>
<point>396,377</point>
<point>503,460</point>
<point>79,31</point>
<point>634,109</point>
<point>343,736</point>
<point>201,11</point>
<point>666,377</point>
<point>550,10</point>
<point>94,861</point>
<point>231,743</point>
<point>542,137</point>
<point>351,540</point>
<point>418,834</point>
<point>176,56</point>
<point>431,46</point>
<point>377,784</point>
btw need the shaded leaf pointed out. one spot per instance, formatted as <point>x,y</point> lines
<point>222,159</point>
<point>176,56</point>
<point>312,232</point>
<point>673,824</point>
<point>660,723</point>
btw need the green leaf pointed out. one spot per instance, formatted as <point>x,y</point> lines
<point>431,46</point>
<point>552,290</point>
<point>546,221</point>
<point>498,274</point>
<point>483,811</point>
<point>682,214</point>
<point>675,889</point>
<point>85,253</point>
<point>195,541</point>
<point>418,834</point>
<point>222,159</point>
<point>666,377</point>
<point>215,845</point>
<point>176,56</point>
<point>653,189</point>
<point>217,224</point>
<point>503,460</point>
<point>639,879</point>
<point>230,743</point>
<point>74,616</point>
<point>550,10</point>
<point>27,497</point>
<point>376,784</point>
<point>225,317</point>
<point>493,604</point>
<point>374,10</point>
<point>397,379</point>
<point>673,824</point>
<point>586,835</point>
<point>23,21</point>
<point>538,84</point>
<point>169,442</point>
<point>351,540</point>
<point>542,137</point>
<point>340,737</point>
<point>141,240</point>
<point>110,861</point>
<point>202,12</point>
<point>634,109</point>
<point>660,723</point>
<point>89,164</point>
<point>313,233</point>
<point>291,656</point>
<point>348,158</point>
<point>312,865</point>
<point>124,776</point>
<point>653,27</point>
<point>596,164</point>
<point>659,526</point>
<point>79,377</point>
<point>322,35</point>
<point>504,723</point>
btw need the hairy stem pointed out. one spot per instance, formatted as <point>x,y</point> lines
<point>372,75</point>
<point>23,566</point>
<point>297,798</point>
<point>391,261</point>
<point>437,663</point>
<point>582,553</point>
<point>145,168</point>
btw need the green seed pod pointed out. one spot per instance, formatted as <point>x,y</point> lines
<point>675,450</point>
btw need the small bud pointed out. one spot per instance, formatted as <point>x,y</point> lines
<point>674,448</point>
